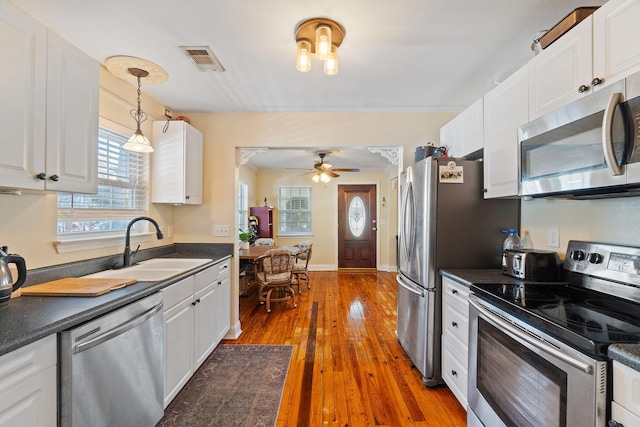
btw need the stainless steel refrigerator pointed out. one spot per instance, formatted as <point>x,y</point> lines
<point>445,222</point>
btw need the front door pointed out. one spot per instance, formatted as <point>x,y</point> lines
<point>357,226</point>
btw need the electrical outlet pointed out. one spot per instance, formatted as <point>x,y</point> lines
<point>167,112</point>
<point>554,238</point>
<point>221,230</point>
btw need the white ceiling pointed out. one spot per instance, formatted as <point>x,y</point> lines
<point>402,55</point>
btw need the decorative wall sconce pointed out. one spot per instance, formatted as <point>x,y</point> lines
<point>320,37</point>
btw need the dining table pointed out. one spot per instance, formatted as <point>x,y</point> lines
<point>255,252</point>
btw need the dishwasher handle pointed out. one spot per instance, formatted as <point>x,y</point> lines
<point>118,330</point>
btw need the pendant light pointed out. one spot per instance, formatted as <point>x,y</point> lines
<point>320,37</point>
<point>138,142</point>
<point>137,70</point>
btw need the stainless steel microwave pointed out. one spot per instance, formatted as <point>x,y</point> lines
<point>587,149</point>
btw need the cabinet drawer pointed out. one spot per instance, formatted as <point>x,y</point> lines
<point>456,293</point>
<point>622,416</point>
<point>172,295</point>
<point>206,277</point>
<point>626,387</point>
<point>456,324</point>
<point>27,361</point>
<point>454,373</point>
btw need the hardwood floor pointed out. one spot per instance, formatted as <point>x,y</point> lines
<point>347,368</point>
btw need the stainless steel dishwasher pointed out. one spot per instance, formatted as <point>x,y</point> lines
<point>111,368</point>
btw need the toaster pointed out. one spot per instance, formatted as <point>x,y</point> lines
<point>531,264</point>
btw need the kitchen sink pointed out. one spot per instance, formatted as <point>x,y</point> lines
<point>153,270</point>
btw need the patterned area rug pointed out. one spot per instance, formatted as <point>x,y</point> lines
<point>238,385</point>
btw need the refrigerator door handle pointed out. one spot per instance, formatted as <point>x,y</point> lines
<point>410,288</point>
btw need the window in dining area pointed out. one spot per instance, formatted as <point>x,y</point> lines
<point>294,210</point>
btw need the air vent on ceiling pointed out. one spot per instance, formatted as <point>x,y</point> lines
<point>203,58</point>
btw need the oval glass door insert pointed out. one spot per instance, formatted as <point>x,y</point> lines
<point>356,216</point>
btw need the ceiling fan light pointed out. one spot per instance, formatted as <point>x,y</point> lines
<point>303,57</point>
<point>323,41</point>
<point>324,177</point>
<point>316,177</point>
<point>331,63</point>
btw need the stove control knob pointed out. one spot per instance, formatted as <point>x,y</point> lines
<point>594,258</point>
<point>577,255</point>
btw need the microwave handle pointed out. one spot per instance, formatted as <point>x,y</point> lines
<point>607,143</point>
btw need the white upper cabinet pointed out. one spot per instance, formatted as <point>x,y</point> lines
<point>598,51</point>
<point>506,108</point>
<point>463,135</point>
<point>616,51</point>
<point>562,72</point>
<point>177,164</point>
<point>52,119</point>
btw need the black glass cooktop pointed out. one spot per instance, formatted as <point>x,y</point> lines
<point>585,319</point>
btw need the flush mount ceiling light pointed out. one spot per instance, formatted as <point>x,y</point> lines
<point>320,37</point>
<point>138,70</point>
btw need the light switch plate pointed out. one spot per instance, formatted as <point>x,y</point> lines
<point>554,238</point>
<point>221,230</point>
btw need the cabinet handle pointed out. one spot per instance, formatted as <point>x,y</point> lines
<point>455,291</point>
<point>485,190</point>
<point>41,176</point>
<point>597,81</point>
<point>188,197</point>
<point>454,324</point>
<point>583,88</point>
<point>454,373</point>
<point>219,283</point>
<point>193,303</point>
<point>54,178</point>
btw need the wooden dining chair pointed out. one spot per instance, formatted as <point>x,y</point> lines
<point>274,273</point>
<point>264,241</point>
<point>301,266</point>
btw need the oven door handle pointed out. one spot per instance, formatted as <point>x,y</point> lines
<point>531,340</point>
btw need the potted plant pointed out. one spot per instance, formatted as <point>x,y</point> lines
<point>245,237</point>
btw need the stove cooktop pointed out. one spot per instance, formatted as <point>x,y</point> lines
<point>585,319</point>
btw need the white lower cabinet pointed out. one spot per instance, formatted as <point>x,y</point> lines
<point>455,337</point>
<point>625,408</point>
<point>28,389</point>
<point>197,313</point>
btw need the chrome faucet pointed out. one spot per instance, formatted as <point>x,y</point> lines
<point>127,249</point>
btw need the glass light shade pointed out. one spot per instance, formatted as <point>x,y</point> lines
<point>138,143</point>
<point>331,63</point>
<point>323,42</point>
<point>316,177</point>
<point>303,57</point>
<point>324,177</point>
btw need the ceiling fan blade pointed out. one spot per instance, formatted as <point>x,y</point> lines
<point>332,174</point>
<point>346,170</point>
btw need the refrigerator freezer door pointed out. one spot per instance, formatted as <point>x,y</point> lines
<point>414,329</point>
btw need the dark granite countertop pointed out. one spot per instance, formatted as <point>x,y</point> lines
<point>29,318</point>
<point>469,277</point>
<point>628,354</point>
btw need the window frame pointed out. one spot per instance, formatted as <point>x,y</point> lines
<point>80,241</point>
<point>282,214</point>
<point>243,197</point>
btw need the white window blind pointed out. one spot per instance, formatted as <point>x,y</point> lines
<point>295,210</point>
<point>122,189</point>
<point>243,205</point>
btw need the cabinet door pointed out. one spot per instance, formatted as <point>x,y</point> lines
<point>193,173</point>
<point>223,306</point>
<point>505,108</point>
<point>558,72</point>
<point>471,123</point>
<point>23,43</point>
<point>206,322</point>
<point>72,119</point>
<point>616,51</point>
<point>178,348</point>
<point>31,403</point>
<point>448,138</point>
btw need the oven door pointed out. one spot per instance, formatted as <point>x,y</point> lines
<point>520,376</point>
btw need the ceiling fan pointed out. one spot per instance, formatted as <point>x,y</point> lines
<point>321,167</point>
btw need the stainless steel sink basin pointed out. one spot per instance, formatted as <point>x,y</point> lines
<point>153,270</point>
